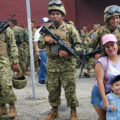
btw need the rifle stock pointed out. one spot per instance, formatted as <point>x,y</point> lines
<point>4,24</point>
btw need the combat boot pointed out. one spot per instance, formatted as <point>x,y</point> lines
<point>87,74</point>
<point>73,114</point>
<point>3,109</point>
<point>13,111</point>
<point>53,114</point>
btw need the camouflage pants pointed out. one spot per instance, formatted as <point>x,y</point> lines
<point>67,80</point>
<point>24,56</point>
<point>6,92</point>
<point>90,64</point>
<point>36,63</point>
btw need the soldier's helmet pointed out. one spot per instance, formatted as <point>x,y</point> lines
<point>111,11</point>
<point>20,82</point>
<point>56,5</point>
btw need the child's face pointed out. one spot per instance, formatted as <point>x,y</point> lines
<point>116,88</point>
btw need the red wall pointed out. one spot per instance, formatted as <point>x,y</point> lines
<point>39,9</point>
<point>80,11</point>
<point>70,10</point>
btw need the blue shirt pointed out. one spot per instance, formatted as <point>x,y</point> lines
<point>114,101</point>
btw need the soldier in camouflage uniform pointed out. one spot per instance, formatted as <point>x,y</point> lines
<point>21,37</point>
<point>60,66</point>
<point>111,18</point>
<point>84,32</point>
<point>8,62</point>
<point>91,35</point>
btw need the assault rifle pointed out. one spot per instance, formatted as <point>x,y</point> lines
<point>86,56</point>
<point>4,24</point>
<point>92,53</point>
<point>83,62</point>
<point>59,43</point>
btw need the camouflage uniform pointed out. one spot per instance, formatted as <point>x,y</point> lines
<point>8,56</point>
<point>61,71</point>
<point>83,34</point>
<point>91,35</point>
<point>102,31</point>
<point>83,47</point>
<point>21,37</point>
<point>90,63</point>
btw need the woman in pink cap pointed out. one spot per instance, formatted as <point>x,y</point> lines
<point>106,69</point>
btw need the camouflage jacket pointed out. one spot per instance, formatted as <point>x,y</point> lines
<point>71,37</point>
<point>96,42</point>
<point>91,34</point>
<point>9,54</point>
<point>20,35</point>
<point>33,32</point>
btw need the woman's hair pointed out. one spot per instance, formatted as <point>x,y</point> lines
<point>103,53</point>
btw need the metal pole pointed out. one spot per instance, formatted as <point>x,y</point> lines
<point>31,47</point>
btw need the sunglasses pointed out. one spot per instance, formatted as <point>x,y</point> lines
<point>113,9</point>
<point>55,2</point>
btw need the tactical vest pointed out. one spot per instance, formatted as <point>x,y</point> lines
<point>19,34</point>
<point>3,44</point>
<point>64,36</point>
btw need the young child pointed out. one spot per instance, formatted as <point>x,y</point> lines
<point>113,109</point>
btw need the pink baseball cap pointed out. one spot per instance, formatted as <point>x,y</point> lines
<point>108,38</point>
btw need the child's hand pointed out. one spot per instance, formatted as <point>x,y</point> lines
<point>112,108</point>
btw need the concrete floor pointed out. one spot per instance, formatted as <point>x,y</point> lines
<point>37,109</point>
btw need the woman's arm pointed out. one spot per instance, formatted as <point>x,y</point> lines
<point>100,79</point>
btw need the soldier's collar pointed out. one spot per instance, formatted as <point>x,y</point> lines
<point>108,29</point>
<point>60,27</point>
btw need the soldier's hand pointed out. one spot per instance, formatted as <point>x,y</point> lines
<point>49,40</point>
<point>15,67</point>
<point>37,53</point>
<point>63,54</point>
